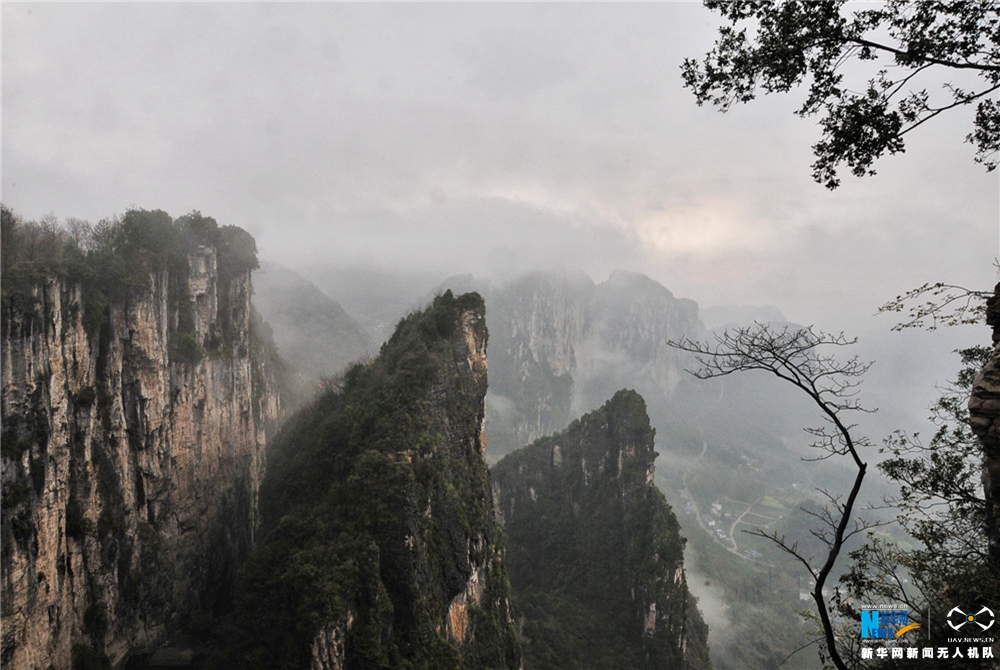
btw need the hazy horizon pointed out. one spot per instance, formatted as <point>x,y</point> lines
<point>434,140</point>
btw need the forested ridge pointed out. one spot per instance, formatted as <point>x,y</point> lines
<point>596,555</point>
<point>377,515</point>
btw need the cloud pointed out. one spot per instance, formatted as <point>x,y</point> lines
<point>482,138</point>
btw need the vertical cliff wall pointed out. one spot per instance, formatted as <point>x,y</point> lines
<point>132,454</point>
<point>984,419</point>
<point>381,546</point>
<point>595,555</point>
<point>562,343</point>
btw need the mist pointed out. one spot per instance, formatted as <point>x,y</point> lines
<point>488,139</point>
<point>382,153</point>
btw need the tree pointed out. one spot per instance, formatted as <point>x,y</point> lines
<point>904,46</point>
<point>777,46</point>
<point>797,356</point>
<point>943,305</point>
<point>942,507</point>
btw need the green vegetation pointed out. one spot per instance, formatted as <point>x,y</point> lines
<point>13,447</point>
<point>85,397</point>
<point>184,347</point>
<point>85,658</point>
<point>773,47</point>
<point>594,548</point>
<point>944,562</point>
<point>77,526</point>
<point>15,494</point>
<point>118,257</point>
<point>376,509</point>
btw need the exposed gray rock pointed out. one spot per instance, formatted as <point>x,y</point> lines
<point>130,475</point>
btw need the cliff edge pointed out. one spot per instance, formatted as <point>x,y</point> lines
<point>381,549</point>
<point>595,555</point>
<point>136,404</point>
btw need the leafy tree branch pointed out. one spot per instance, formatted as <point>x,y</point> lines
<point>941,505</point>
<point>777,46</point>
<point>939,304</point>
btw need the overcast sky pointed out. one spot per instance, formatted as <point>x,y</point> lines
<point>475,138</point>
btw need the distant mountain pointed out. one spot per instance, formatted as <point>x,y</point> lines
<point>312,331</point>
<point>594,550</point>
<point>377,297</point>
<point>562,343</point>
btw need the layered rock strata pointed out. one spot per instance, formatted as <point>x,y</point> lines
<point>131,461</point>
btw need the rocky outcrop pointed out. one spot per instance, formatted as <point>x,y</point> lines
<point>132,458</point>
<point>327,649</point>
<point>984,419</point>
<point>562,343</point>
<point>595,554</point>
<point>381,546</point>
<point>559,342</point>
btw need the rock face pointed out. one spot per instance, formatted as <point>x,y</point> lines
<point>984,419</point>
<point>381,547</point>
<point>559,342</point>
<point>131,460</point>
<point>595,555</point>
<point>562,343</point>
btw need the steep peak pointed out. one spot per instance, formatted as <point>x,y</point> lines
<point>627,401</point>
<point>595,553</point>
<point>455,318</point>
<point>381,482</point>
<point>614,440</point>
<point>622,418</point>
<point>634,281</point>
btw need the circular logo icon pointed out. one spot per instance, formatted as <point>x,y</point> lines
<point>980,621</point>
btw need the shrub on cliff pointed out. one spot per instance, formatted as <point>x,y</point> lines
<point>117,256</point>
<point>376,512</point>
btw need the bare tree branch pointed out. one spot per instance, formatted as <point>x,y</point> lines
<point>798,356</point>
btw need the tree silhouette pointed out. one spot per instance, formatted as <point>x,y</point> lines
<point>774,47</point>
<point>797,356</point>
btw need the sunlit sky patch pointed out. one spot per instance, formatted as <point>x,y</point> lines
<point>477,138</point>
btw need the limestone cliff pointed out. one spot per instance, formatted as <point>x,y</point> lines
<point>984,418</point>
<point>595,555</point>
<point>381,547</point>
<point>562,343</point>
<point>135,417</point>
